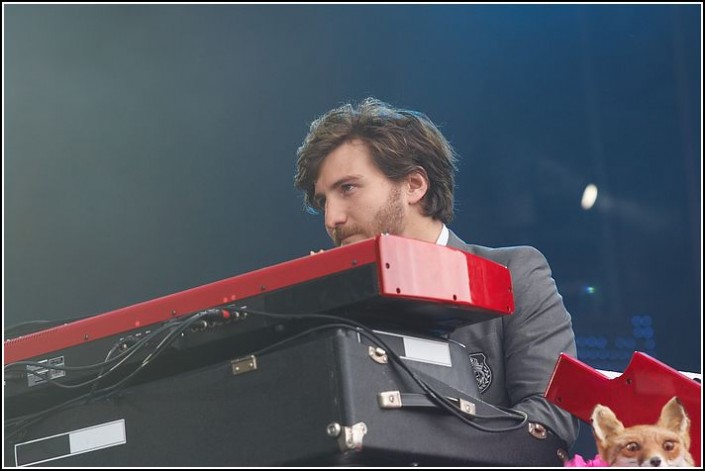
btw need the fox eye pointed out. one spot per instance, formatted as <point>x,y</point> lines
<point>632,446</point>
<point>669,445</point>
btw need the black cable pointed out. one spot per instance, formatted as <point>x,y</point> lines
<point>180,325</point>
<point>122,357</point>
<point>437,398</point>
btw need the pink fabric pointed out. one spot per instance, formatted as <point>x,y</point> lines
<point>579,462</point>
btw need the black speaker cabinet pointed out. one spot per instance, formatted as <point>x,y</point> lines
<point>332,398</point>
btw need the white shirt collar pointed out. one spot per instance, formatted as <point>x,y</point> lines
<point>443,236</point>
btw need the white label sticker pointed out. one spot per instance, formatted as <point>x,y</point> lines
<point>75,442</point>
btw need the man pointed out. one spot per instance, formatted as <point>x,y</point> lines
<point>375,169</point>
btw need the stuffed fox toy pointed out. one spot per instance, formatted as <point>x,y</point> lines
<point>665,444</point>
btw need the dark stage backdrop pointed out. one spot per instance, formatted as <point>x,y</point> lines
<point>149,149</point>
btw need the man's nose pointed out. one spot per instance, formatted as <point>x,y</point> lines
<point>335,215</point>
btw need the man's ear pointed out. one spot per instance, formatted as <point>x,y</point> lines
<point>416,185</point>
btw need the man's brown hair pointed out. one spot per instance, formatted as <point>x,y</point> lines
<point>400,141</point>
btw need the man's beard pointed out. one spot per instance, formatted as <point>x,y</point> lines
<point>388,220</point>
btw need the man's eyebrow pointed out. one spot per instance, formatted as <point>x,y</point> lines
<point>338,183</point>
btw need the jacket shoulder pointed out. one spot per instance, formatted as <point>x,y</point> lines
<point>515,255</point>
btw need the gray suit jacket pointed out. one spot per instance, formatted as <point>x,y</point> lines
<point>513,356</point>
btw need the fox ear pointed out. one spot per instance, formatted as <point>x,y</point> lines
<point>605,423</point>
<point>674,418</point>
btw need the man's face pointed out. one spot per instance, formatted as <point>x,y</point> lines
<point>358,200</point>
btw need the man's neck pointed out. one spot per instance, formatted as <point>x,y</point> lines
<point>425,229</point>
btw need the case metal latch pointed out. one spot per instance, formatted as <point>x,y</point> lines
<point>389,400</point>
<point>349,438</point>
<point>467,407</point>
<point>537,431</point>
<point>378,355</point>
<point>244,365</point>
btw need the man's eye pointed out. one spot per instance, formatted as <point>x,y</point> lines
<point>347,187</point>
